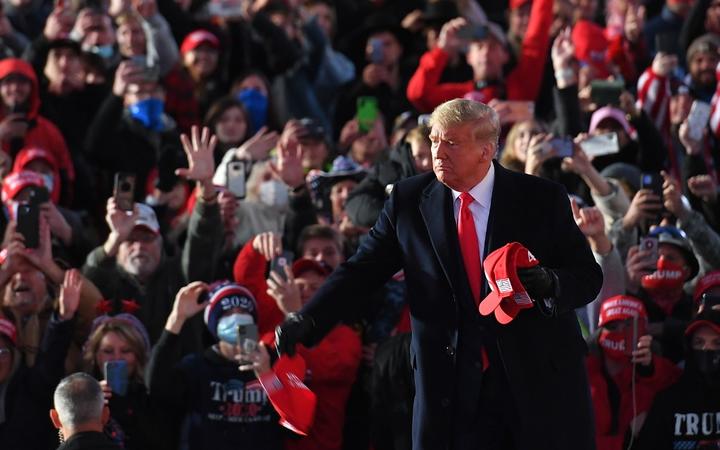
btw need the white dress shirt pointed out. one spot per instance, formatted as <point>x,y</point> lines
<point>480,208</point>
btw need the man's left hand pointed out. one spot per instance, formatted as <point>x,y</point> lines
<point>539,282</point>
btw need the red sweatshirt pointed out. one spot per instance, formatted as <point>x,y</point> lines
<point>426,92</point>
<point>664,375</point>
<point>331,365</point>
<point>43,134</point>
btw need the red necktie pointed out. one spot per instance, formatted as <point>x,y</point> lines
<point>469,245</point>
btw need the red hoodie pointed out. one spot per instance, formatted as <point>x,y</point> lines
<point>42,133</point>
<point>426,92</point>
<point>331,365</point>
<point>665,373</point>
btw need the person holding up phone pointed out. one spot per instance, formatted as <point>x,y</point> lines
<point>122,342</point>
<point>229,407</point>
<point>624,373</point>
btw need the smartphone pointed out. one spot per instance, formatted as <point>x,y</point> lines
<point>667,43</point>
<point>563,146</point>
<point>698,119</point>
<point>650,244</point>
<point>116,375</point>
<point>150,70</point>
<point>38,195</point>
<point>124,191</point>
<point>235,178</point>
<point>376,51</point>
<point>279,262</point>
<point>247,339</point>
<point>606,92</point>
<point>653,182</point>
<point>366,113</point>
<point>601,144</point>
<point>28,224</point>
<point>472,32</point>
<point>519,111</point>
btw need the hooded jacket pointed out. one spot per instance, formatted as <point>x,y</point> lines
<point>41,132</point>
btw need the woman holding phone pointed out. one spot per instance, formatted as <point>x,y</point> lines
<point>116,353</point>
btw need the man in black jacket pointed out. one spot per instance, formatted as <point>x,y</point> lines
<point>80,414</point>
<point>531,390</point>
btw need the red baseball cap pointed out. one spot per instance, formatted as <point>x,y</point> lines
<point>515,4</point>
<point>621,307</point>
<point>508,295</point>
<point>303,265</point>
<point>198,38</point>
<point>711,279</point>
<point>290,397</point>
<point>17,181</point>
<point>591,46</point>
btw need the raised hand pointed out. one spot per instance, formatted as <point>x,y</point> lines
<point>448,39</point>
<point>186,305</point>
<point>288,167</point>
<point>259,145</point>
<point>268,244</point>
<point>70,294</point>
<point>589,220</point>
<point>257,359</point>
<point>199,148</point>
<point>644,206</point>
<point>58,225</point>
<point>285,291</point>
<point>672,196</point>
<point>703,186</point>
<point>643,354</point>
<point>121,224</point>
<point>637,265</point>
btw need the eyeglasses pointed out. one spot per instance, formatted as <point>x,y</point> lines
<point>672,231</point>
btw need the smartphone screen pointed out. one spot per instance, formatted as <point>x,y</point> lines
<point>698,119</point>
<point>667,43</point>
<point>606,92</point>
<point>563,147</point>
<point>279,263</point>
<point>366,113</point>
<point>28,224</point>
<point>235,178</point>
<point>601,144</point>
<point>650,244</point>
<point>124,191</point>
<point>116,375</point>
<point>247,339</point>
<point>376,51</point>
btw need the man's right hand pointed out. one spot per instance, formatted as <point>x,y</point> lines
<point>296,329</point>
<point>268,244</point>
<point>646,205</point>
<point>121,225</point>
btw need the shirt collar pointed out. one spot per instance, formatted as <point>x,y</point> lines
<point>481,192</point>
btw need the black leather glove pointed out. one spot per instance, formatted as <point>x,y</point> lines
<point>538,281</point>
<point>296,329</point>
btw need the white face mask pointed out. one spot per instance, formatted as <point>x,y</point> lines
<point>274,193</point>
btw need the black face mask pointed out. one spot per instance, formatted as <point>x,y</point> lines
<point>708,364</point>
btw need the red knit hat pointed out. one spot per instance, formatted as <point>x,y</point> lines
<point>290,397</point>
<point>508,295</point>
<point>198,38</point>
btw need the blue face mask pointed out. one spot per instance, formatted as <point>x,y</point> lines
<point>227,329</point>
<point>103,51</point>
<point>256,105</point>
<point>149,112</point>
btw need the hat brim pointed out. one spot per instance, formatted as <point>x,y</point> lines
<point>694,326</point>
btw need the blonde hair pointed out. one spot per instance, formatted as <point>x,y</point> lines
<point>418,135</point>
<point>508,158</point>
<point>461,111</point>
<point>126,331</point>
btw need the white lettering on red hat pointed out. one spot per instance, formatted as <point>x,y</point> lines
<point>531,257</point>
<point>504,285</point>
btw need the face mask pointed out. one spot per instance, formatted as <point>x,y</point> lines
<point>149,112</point>
<point>103,51</point>
<point>274,193</point>
<point>227,329</point>
<point>256,105</point>
<point>708,362</point>
<point>668,276</point>
<point>614,344</point>
<point>49,181</point>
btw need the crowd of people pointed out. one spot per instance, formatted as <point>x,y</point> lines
<point>175,171</point>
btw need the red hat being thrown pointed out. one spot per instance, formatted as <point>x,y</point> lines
<point>290,397</point>
<point>508,295</point>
